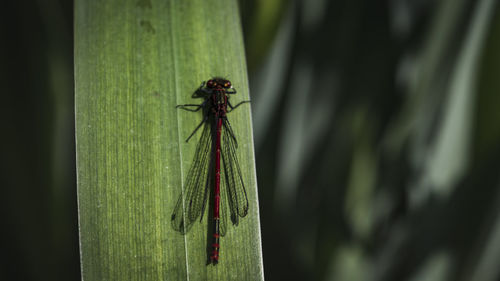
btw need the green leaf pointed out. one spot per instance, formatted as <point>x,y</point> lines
<point>134,62</point>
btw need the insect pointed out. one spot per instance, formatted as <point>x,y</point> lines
<point>215,164</point>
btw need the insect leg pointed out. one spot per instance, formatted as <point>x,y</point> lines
<point>233,107</point>
<point>201,123</point>
<point>231,91</point>
<point>183,106</point>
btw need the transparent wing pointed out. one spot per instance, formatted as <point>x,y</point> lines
<point>196,187</point>
<point>233,191</point>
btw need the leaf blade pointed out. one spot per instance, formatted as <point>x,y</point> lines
<point>134,61</point>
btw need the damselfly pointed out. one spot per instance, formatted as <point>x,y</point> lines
<point>217,142</point>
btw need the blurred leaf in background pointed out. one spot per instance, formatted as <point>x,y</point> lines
<point>39,235</point>
<point>377,147</point>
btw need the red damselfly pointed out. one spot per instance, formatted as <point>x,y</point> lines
<point>217,142</point>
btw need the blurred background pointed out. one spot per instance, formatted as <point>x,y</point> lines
<point>377,136</point>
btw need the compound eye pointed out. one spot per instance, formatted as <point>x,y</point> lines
<point>210,83</point>
<point>227,84</point>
